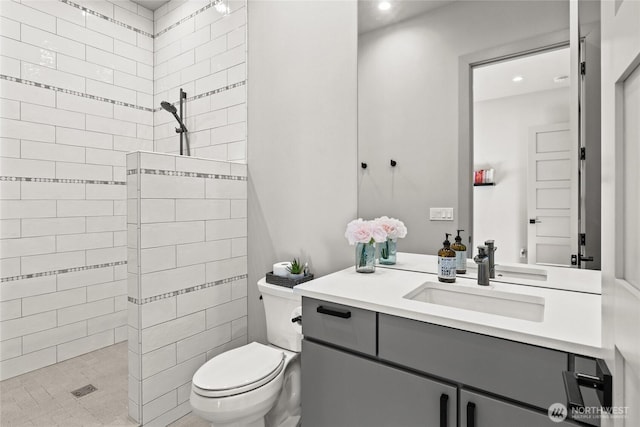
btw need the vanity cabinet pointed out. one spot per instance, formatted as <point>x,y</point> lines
<point>362,368</point>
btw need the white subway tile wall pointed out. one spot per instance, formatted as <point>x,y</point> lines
<point>187,287</point>
<point>69,87</point>
<point>203,51</point>
<point>80,86</point>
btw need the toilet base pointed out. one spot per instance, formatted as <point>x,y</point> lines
<point>257,423</point>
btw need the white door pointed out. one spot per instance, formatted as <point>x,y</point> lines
<point>621,203</point>
<point>552,189</point>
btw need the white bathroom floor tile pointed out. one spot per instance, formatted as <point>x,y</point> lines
<point>43,398</point>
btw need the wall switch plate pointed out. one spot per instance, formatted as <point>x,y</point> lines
<point>441,214</point>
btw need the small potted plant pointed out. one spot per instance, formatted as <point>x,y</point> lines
<point>296,269</point>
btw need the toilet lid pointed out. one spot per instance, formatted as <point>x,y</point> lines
<point>239,370</point>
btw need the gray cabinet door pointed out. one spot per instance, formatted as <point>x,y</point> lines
<point>340,389</point>
<point>477,410</point>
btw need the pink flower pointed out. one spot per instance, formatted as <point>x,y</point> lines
<point>394,228</point>
<point>360,231</point>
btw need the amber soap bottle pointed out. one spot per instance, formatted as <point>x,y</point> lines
<point>447,262</point>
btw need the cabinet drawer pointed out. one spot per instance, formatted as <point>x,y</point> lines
<point>518,371</point>
<point>338,324</point>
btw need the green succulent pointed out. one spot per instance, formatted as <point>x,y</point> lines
<point>296,267</point>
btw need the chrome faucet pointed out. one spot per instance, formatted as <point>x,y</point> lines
<point>482,259</point>
<point>491,249</point>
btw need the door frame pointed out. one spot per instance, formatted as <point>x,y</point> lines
<point>466,63</point>
<point>620,299</point>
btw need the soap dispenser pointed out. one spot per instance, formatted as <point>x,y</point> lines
<point>461,254</point>
<point>447,262</point>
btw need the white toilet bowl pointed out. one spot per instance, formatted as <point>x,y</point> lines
<point>256,385</point>
<point>241,386</point>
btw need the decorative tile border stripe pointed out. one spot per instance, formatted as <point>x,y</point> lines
<point>114,21</point>
<point>211,92</point>
<point>73,92</point>
<point>191,174</point>
<point>186,18</point>
<point>62,271</point>
<point>113,101</point>
<point>186,290</point>
<point>60,180</point>
<point>222,89</point>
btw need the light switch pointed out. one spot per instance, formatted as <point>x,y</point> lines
<point>441,214</point>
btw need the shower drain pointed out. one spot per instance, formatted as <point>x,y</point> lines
<point>83,391</point>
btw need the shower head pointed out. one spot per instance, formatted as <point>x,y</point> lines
<point>172,109</point>
<point>168,107</point>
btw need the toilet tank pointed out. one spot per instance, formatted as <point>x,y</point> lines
<point>280,306</point>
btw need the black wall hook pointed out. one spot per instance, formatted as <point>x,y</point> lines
<point>364,165</point>
<point>393,163</point>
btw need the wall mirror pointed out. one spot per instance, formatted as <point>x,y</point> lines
<point>436,95</point>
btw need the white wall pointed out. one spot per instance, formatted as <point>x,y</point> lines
<point>302,147</point>
<point>76,88</point>
<point>501,141</point>
<point>408,106</point>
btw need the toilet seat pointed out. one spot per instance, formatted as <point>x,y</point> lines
<point>238,371</point>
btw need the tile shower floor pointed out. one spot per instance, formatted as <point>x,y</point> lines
<point>43,397</point>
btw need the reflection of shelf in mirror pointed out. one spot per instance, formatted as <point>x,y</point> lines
<point>484,184</point>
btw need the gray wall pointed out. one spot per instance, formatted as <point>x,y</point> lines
<point>302,145</point>
<point>408,106</point>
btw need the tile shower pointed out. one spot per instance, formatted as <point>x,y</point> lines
<point>80,82</point>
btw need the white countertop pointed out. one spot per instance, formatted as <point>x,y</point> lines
<point>570,279</point>
<point>571,319</point>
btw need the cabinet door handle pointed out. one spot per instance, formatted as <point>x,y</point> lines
<point>471,414</point>
<point>345,314</point>
<point>444,410</point>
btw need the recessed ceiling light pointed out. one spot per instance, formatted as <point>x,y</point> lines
<point>517,79</point>
<point>384,5</point>
<point>560,79</point>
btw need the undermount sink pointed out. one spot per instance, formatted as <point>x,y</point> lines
<point>511,272</point>
<point>485,300</point>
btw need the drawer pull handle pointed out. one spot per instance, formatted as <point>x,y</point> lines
<point>344,314</point>
<point>471,414</point>
<point>602,382</point>
<point>444,410</point>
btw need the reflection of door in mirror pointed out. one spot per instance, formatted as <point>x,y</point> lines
<point>529,210</point>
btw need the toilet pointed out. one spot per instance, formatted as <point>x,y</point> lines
<point>256,385</point>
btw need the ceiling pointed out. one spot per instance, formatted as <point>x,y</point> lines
<point>151,4</point>
<point>538,71</point>
<point>371,18</point>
